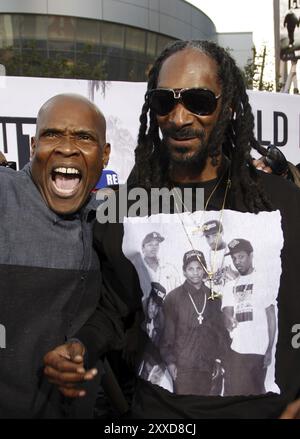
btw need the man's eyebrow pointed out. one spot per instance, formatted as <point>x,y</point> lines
<point>44,131</point>
<point>86,132</point>
<point>61,131</point>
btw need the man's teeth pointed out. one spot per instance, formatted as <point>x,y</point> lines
<point>67,170</point>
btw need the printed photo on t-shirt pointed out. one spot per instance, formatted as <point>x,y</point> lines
<point>210,287</point>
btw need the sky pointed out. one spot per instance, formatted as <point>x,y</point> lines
<point>241,16</point>
<point>254,16</point>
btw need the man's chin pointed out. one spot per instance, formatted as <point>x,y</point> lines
<point>192,162</point>
<point>184,157</point>
<point>65,206</point>
<point>242,272</point>
<point>181,158</point>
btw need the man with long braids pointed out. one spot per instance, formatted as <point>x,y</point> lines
<point>196,131</point>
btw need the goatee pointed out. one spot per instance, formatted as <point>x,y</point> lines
<point>182,156</point>
<point>193,161</point>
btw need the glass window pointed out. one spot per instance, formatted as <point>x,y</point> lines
<point>162,42</point>
<point>151,43</point>
<point>114,68</point>
<point>9,30</point>
<point>61,64</point>
<point>58,46</point>
<point>135,40</point>
<point>89,67</point>
<point>88,34</point>
<point>87,58</point>
<point>33,62</point>
<point>143,72</point>
<point>61,32</point>
<point>112,35</point>
<point>131,70</point>
<point>33,30</point>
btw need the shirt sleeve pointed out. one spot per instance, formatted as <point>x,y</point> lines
<point>120,296</point>
<point>227,297</point>
<point>104,330</point>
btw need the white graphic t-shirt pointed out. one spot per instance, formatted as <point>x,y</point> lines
<point>191,351</point>
<point>249,296</point>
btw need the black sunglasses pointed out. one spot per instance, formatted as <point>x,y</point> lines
<point>199,101</point>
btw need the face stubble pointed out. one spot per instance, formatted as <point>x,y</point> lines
<point>191,160</point>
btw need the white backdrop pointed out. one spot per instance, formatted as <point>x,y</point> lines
<point>277,116</point>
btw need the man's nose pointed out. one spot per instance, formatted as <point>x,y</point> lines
<point>67,147</point>
<point>180,116</point>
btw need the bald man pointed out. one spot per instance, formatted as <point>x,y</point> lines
<point>49,272</point>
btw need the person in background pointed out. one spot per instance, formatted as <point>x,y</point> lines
<point>291,22</point>
<point>2,159</point>
<point>273,161</point>
<point>4,162</point>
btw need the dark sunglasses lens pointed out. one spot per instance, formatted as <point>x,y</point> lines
<point>201,102</point>
<point>161,101</point>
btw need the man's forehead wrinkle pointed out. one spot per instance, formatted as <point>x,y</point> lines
<point>43,123</point>
<point>71,129</point>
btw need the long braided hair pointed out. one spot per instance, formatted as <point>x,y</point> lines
<point>234,131</point>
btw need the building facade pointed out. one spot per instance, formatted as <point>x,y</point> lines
<point>108,39</point>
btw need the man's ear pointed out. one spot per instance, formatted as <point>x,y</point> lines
<point>106,154</point>
<point>32,148</point>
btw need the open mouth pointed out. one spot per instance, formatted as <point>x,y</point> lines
<point>66,180</point>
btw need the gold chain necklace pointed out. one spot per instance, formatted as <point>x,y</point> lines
<point>198,228</point>
<point>210,274</point>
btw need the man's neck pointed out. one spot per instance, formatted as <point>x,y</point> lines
<point>197,286</point>
<point>251,269</point>
<point>183,174</point>
<point>152,262</point>
<point>221,246</point>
